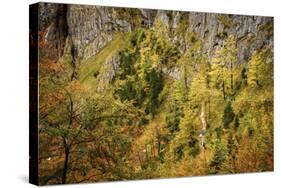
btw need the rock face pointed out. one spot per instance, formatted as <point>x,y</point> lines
<point>92,48</point>
<point>108,71</point>
<point>90,28</point>
<point>53,28</point>
<point>87,27</point>
<point>213,28</point>
<point>95,24</point>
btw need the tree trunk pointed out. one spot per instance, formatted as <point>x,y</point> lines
<point>158,137</point>
<point>231,76</point>
<point>223,90</point>
<point>65,166</point>
<point>139,158</point>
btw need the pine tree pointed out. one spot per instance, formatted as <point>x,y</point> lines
<point>228,115</point>
<point>260,69</point>
<point>219,157</point>
<point>223,67</point>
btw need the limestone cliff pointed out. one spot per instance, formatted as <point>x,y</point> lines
<point>86,29</point>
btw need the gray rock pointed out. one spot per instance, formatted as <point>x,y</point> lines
<point>108,71</point>
<point>93,47</point>
<point>90,28</point>
<point>162,15</point>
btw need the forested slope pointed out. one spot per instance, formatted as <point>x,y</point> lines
<point>135,94</point>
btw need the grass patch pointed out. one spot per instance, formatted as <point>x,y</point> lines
<point>91,66</point>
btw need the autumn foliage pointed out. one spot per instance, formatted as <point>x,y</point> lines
<point>167,112</point>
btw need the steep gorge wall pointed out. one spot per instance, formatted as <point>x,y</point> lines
<point>250,31</point>
<point>89,28</point>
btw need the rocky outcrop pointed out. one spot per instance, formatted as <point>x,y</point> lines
<point>108,71</point>
<point>93,47</point>
<point>88,27</point>
<point>87,23</point>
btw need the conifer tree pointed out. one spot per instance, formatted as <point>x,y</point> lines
<point>228,115</point>
<point>223,67</point>
<point>219,157</point>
